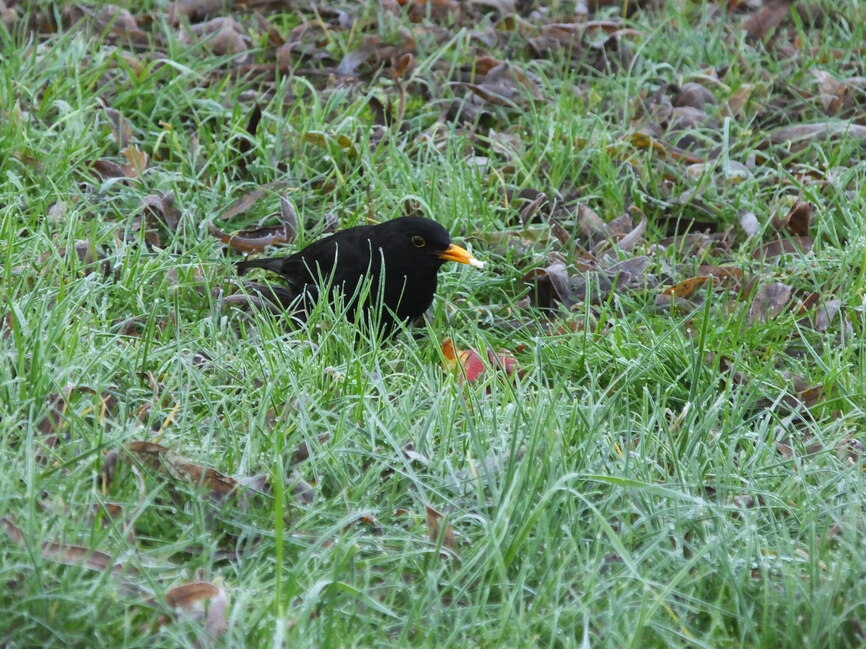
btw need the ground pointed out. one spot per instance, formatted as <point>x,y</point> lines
<point>640,425</point>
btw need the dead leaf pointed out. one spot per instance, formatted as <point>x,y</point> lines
<point>591,223</point>
<point>289,217</point>
<point>439,529</point>
<point>550,286</point>
<point>687,287</point>
<point>766,19</point>
<point>818,131</point>
<point>738,100</point>
<point>251,240</point>
<point>68,555</point>
<point>162,206</point>
<point>136,161</point>
<point>826,313</point>
<point>204,602</point>
<point>694,95</point>
<point>769,302</point>
<point>120,23</point>
<point>7,325</point>
<point>797,220</point>
<point>119,126</point>
<point>242,204</point>
<point>196,10</point>
<point>302,452</point>
<point>159,458</point>
<point>787,246</point>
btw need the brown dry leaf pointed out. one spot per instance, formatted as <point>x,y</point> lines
<point>301,490</point>
<point>642,140</point>
<point>766,19</point>
<point>289,217</point>
<point>817,131</point>
<point>797,220</point>
<point>788,246</point>
<point>550,286</point>
<point>162,206</point>
<point>251,240</point>
<point>53,420</point>
<point>687,287</point>
<point>694,95</point>
<point>530,207</point>
<point>332,222</point>
<point>831,92</point>
<point>302,452</point>
<point>88,255</point>
<point>769,302</point>
<point>204,602</point>
<point>120,23</point>
<point>7,325</point>
<point>196,10</point>
<point>504,84</point>
<point>136,161</point>
<point>412,455</point>
<point>435,10</point>
<point>56,403</point>
<point>826,313</point>
<point>439,529</point>
<point>630,240</point>
<point>242,204</point>
<point>738,100</point>
<point>785,450</point>
<point>107,169</point>
<point>119,126</point>
<point>727,277</point>
<point>591,224</point>
<point>160,458</point>
<point>222,35</point>
<point>68,555</point>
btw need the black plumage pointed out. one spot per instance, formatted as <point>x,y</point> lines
<point>401,259</point>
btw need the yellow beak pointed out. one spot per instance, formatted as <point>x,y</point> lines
<point>460,255</point>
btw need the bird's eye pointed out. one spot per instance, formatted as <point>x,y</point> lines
<point>418,241</point>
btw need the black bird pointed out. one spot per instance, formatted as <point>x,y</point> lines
<point>401,258</point>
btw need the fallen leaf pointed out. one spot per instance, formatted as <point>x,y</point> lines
<point>68,555</point>
<point>204,602</point>
<point>787,246</point>
<point>159,458</point>
<point>439,530</point>
<point>818,131</point>
<point>687,287</point>
<point>251,240</point>
<point>769,302</point>
<point>242,204</point>
<point>826,313</point>
<point>162,206</point>
<point>550,286</point>
<point>766,19</point>
<point>797,220</point>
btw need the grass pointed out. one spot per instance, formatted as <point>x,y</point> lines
<point>626,489</point>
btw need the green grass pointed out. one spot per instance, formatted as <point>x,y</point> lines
<point>624,490</point>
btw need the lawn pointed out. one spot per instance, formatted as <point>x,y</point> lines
<point>640,425</point>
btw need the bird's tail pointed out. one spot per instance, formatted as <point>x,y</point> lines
<point>273,265</point>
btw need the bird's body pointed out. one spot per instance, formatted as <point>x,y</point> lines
<point>400,258</point>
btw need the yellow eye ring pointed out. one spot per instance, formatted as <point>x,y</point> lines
<point>418,241</point>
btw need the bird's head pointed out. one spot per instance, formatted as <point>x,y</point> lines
<point>424,239</point>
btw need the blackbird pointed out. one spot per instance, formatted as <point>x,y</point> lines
<point>401,258</point>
